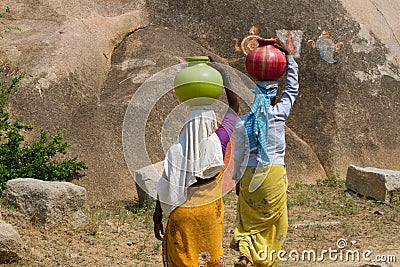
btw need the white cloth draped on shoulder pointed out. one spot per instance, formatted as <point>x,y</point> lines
<point>196,154</point>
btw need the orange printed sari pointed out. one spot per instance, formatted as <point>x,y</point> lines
<point>193,235</point>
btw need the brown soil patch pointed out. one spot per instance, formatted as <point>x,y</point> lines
<point>123,236</point>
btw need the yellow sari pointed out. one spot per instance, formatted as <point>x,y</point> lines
<point>262,215</point>
<point>193,235</point>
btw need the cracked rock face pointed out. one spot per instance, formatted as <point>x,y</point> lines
<point>346,112</point>
<point>84,61</point>
<point>65,50</point>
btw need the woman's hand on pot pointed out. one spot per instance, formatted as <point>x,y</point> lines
<point>158,230</point>
<point>287,48</point>
<point>219,67</point>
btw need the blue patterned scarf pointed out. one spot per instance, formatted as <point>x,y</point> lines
<point>257,120</point>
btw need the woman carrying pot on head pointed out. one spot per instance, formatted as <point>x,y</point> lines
<point>259,152</point>
<point>190,189</point>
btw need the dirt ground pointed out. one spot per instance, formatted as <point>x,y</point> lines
<point>321,217</point>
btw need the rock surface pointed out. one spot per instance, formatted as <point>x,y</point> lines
<point>10,243</point>
<point>47,203</point>
<point>303,165</point>
<point>382,185</point>
<point>344,110</point>
<point>66,49</point>
<point>146,183</point>
<point>85,60</point>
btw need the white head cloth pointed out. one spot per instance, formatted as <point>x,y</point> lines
<point>196,154</point>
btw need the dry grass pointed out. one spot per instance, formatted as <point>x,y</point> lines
<point>123,236</point>
<point>365,224</point>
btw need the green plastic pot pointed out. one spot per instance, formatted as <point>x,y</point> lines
<point>198,84</point>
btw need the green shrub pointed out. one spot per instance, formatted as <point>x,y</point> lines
<point>331,181</point>
<point>43,159</point>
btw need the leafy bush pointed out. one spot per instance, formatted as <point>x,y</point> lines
<point>331,181</point>
<point>42,159</point>
<point>39,159</point>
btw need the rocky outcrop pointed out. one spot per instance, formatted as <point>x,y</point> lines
<point>379,184</point>
<point>303,165</point>
<point>66,49</point>
<point>344,110</point>
<point>10,243</point>
<point>47,203</point>
<point>153,118</point>
<point>85,60</point>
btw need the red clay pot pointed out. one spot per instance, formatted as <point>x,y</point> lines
<point>266,62</point>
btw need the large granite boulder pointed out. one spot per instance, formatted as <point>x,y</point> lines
<point>85,60</point>
<point>66,50</point>
<point>302,163</point>
<point>47,203</point>
<point>345,110</point>
<point>10,243</point>
<point>162,120</point>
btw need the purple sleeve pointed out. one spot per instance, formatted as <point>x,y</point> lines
<point>225,130</point>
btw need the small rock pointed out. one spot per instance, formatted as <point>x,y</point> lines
<point>351,193</point>
<point>146,183</point>
<point>10,243</point>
